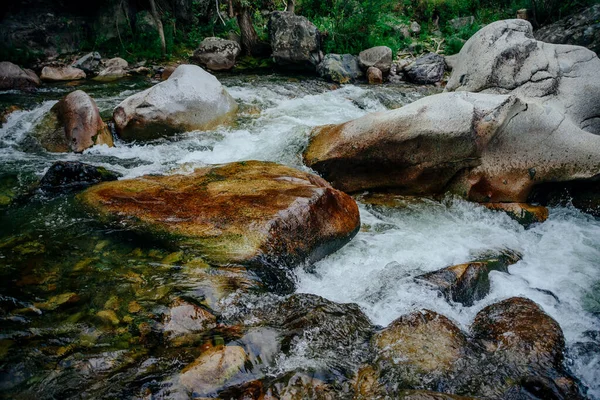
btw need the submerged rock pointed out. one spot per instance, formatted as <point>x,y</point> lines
<point>245,212</point>
<point>74,175</point>
<point>73,124</point>
<point>217,54</point>
<point>469,282</point>
<point>523,213</point>
<point>14,77</point>
<point>213,369</point>
<point>339,68</point>
<point>505,58</point>
<point>185,318</point>
<point>468,143</point>
<point>191,99</point>
<point>295,40</point>
<point>379,57</point>
<point>62,74</point>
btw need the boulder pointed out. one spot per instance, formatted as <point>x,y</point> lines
<point>217,54</point>
<point>74,175</point>
<point>73,124</point>
<point>339,68</point>
<point>246,212</point>
<point>62,74</point>
<point>581,194</point>
<point>379,57</point>
<point>114,69</point>
<point>426,69</point>
<point>374,76</point>
<point>505,58</point>
<point>415,28</point>
<point>543,345</point>
<point>89,63</point>
<point>295,41</point>
<point>469,282</point>
<point>191,99</point>
<point>14,77</point>
<point>467,143</point>
<point>579,29</point>
<point>419,346</point>
<point>523,213</point>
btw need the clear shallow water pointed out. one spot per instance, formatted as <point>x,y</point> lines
<point>560,269</point>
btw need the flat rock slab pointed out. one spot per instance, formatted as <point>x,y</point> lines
<point>241,212</point>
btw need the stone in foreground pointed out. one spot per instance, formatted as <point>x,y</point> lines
<point>191,99</point>
<point>73,124</point>
<point>245,212</point>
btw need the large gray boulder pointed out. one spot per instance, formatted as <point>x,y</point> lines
<point>505,58</point>
<point>191,99</point>
<point>580,29</point>
<point>339,68</point>
<point>217,54</point>
<point>467,143</point>
<point>426,69</point>
<point>379,57</point>
<point>89,63</point>
<point>295,40</point>
<point>14,77</point>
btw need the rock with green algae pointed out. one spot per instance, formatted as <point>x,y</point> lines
<point>241,212</point>
<point>523,213</point>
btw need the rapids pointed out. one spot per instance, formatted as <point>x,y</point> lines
<point>560,269</point>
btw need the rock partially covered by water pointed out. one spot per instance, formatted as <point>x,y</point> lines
<point>217,54</point>
<point>467,143</point>
<point>523,213</point>
<point>469,282</point>
<point>191,99</point>
<point>185,319</point>
<point>339,68</point>
<point>426,69</point>
<point>379,57</point>
<point>210,372</point>
<point>74,175</point>
<point>580,29</point>
<point>418,345</point>
<point>14,77</point>
<point>243,212</point>
<point>295,40</point>
<point>62,74</point>
<point>505,58</point>
<point>73,124</point>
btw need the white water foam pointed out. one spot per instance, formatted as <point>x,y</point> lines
<point>376,270</point>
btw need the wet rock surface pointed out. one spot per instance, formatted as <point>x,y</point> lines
<point>73,124</point>
<point>247,212</point>
<point>190,99</point>
<point>64,176</point>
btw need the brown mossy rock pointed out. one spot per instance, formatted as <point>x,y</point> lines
<point>506,327</point>
<point>523,213</point>
<point>73,124</point>
<point>419,346</point>
<point>469,282</point>
<point>241,212</point>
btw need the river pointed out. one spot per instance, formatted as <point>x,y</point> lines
<point>48,247</point>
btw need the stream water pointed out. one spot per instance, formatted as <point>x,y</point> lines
<point>58,268</point>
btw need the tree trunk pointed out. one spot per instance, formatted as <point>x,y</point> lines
<point>161,31</point>
<point>249,35</point>
<point>230,11</point>
<point>291,6</point>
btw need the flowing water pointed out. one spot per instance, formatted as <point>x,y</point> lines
<point>64,278</point>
